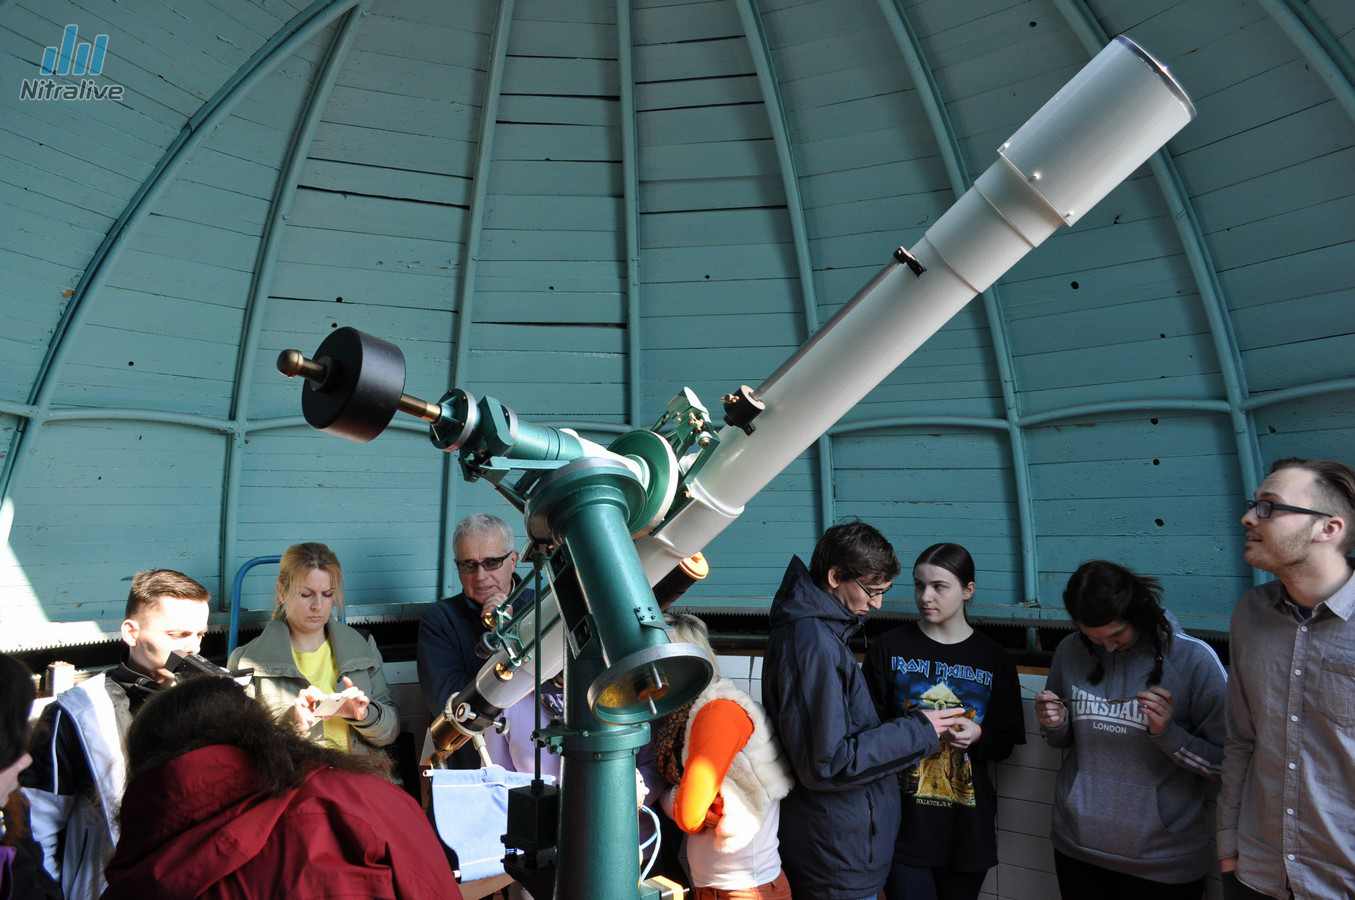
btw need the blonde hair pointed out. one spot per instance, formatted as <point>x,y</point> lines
<point>296,564</point>
<point>688,629</point>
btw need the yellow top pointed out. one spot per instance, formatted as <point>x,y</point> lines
<point>321,671</point>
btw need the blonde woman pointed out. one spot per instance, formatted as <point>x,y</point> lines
<point>728,775</point>
<point>306,663</point>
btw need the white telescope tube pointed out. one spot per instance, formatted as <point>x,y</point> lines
<point>1105,123</point>
<point>1114,114</point>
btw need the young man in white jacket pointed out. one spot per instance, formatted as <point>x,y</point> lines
<point>74,787</point>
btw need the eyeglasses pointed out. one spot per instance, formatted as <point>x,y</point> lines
<point>489,563</point>
<point>1265,507</point>
<point>871,593</point>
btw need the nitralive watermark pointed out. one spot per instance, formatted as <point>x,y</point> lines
<point>72,58</point>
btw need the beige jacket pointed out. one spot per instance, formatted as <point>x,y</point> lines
<point>277,682</point>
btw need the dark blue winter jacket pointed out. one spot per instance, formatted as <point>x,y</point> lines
<point>839,823</point>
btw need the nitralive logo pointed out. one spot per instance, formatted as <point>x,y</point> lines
<point>72,58</point>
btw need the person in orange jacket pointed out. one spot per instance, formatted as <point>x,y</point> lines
<point>729,776</point>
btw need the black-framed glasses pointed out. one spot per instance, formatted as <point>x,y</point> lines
<point>871,593</point>
<point>1265,507</point>
<point>489,563</point>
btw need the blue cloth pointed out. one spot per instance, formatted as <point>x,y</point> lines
<point>470,810</point>
<point>839,822</point>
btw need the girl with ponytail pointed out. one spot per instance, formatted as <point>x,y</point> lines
<point>1138,705</point>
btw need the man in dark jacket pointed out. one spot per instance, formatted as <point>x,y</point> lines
<point>450,629</point>
<point>839,823</point>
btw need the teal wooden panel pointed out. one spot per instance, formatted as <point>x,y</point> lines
<point>170,235</point>
<point>920,181</point>
<point>859,150</point>
<point>117,498</point>
<point>582,11</point>
<point>713,228</point>
<point>516,108</point>
<point>564,275</point>
<point>690,59</point>
<point>1136,281</point>
<point>401,114</point>
<point>679,23</point>
<point>1317,427</point>
<point>710,124</point>
<point>127,144</point>
<point>429,187</point>
<point>735,332</point>
<point>1280,323</point>
<point>1300,363</point>
<point>1114,480</point>
<point>1036,398</point>
<point>318,281</point>
<point>1263,83</point>
<point>731,89</point>
<point>64,176</point>
<point>554,143</point>
<point>429,255</point>
<point>1287,190</point>
<point>368,216</point>
<point>186,279</point>
<point>1080,249</point>
<point>555,178</point>
<point>53,244</point>
<point>706,161</point>
<point>552,38</point>
<point>477,16</point>
<point>571,77</point>
<point>808,94</point>
<point>440,155</point>
<point>830,49</point>
<point>440,35</point>
<point>430,79</point>
<point>1294,138</point>
<point>1153,437</point>
<point>544,337</point>
<point>1319,271</point>
<point>950,28</point>
<point>674,304</point>
<point>576,213</point>
<point>557,306</point>
<point>1317,225</point>
<point>545,245</point>
<point>730,261</point>
<point>789,25</point>
<point>1148,320</point>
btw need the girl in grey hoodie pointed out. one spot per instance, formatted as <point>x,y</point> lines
<point>1138,706</point>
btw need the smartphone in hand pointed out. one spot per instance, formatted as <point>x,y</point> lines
<point>328,706</point>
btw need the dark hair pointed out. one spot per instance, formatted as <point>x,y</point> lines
<point>149,587</point>
<point>1335,484</point>
<point>1101,592</point>
<point>16,705</point>
<point>954,559</point>
<point>856,550</point>
<point>202,712</point>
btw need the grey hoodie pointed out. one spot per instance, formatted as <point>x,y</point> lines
<point>1126,800</point>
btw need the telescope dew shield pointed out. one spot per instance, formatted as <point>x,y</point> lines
<point>1113,115</point>
<point>584,506</point>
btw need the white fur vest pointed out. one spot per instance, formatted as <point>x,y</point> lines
<point>758,777</point>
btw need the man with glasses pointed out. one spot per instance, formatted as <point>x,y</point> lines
<point>451,628</point>
<point>1286,820</point>
<point>839,823</point>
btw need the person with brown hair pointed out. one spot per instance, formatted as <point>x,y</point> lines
<point>1286,823</point>
<point>76,781</point>
<point>327,676</point>
<point>223,801</point>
